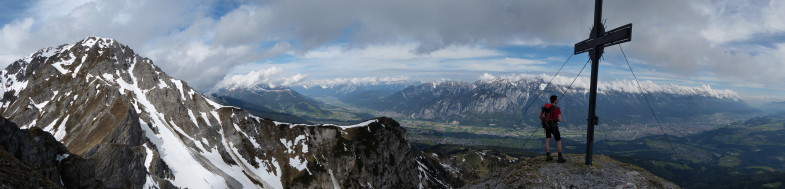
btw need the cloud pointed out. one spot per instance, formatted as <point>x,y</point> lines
<point>357,80</point>
<point>731,21</point>
<point>48,23</point>
<point>271,77</point>
<point>202,43</point>
<point>454,62</point>
<point>294,79</point>
<point>180,36</point>
<point>11,37</point>
<point>487,77</point>
<point>400,51</point>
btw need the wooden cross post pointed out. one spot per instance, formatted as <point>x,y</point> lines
<point>598,40</point>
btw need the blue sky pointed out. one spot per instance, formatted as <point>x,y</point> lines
<point>737,45</point>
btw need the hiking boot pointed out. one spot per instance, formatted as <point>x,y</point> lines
<point>548,157</point>
<point>561,159</point>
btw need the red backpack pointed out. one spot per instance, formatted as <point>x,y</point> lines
<point>547,113</point>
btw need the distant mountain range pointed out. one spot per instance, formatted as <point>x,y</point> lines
<point>508,100</point>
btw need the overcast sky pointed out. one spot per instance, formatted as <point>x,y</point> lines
<point>738,45</point>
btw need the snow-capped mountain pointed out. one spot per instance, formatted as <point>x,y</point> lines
<point>140,128</point>
<point>503,101</point>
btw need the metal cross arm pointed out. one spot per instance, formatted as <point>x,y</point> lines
<point>616,36</point>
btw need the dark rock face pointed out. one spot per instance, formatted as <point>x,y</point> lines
<point>129,125</point>
<point>36,148</point>
<point>117,165</point>
<point>39,151</point>
<point>16,174</point>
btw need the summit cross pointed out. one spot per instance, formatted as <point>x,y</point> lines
<point>598,40</point>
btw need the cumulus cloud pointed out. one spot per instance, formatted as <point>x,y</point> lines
<point>11,37</point>
<point>487,77</point>
<point>271,77</point>
<point>356,80</point>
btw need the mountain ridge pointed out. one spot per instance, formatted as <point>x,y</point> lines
<point>101,99</point>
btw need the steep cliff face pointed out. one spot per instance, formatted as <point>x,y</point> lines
<point>32,158</point>
<point>137,127</point>
<point>16,174</point>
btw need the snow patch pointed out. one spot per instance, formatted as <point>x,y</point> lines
<point>89,41</point>
<point>48,52</point>
<point>363,124</point>
<point>39,106</point>
<point>204,117</point>
<point>59,133</point>
<point>61,157</point>
<point>76,70</point>
<point>215,115</point>
<point>299,163</point>
<point>11,82</point>
<point>60,68</point>
<point>162,84</point>
<point>148,160</point>
<point>214,104</point>
<point>65,62</point>
<point>191,94</point>
<point>253,141</point>
<point>193,118</point>
<point>179,85</point>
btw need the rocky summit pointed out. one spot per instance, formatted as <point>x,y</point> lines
<point>120,122</point>
<point>603,173</point>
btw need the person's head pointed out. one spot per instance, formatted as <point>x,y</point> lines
<point>553,99</point>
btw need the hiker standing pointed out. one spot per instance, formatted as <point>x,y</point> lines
<point>550,117</point>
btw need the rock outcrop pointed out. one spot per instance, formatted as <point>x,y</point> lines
<point>16,174</point>
<point>33,158</point>
<point>604,173</point>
